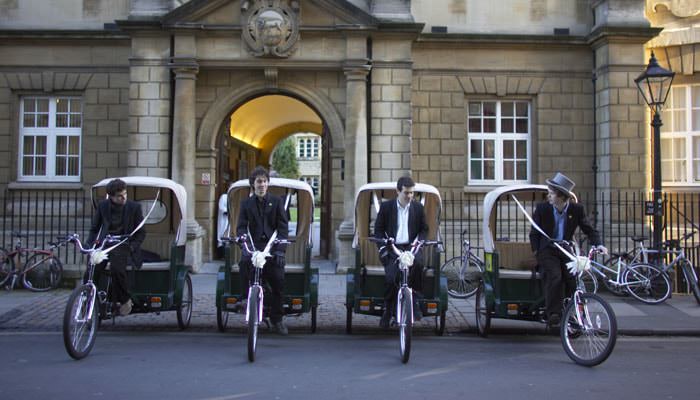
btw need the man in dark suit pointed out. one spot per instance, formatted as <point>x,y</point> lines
<point>402,220</point>
<point>260,216</point>
<point>118,216</point>
<point>558,218</point>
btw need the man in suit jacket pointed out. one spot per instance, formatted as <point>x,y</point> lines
<point>118,216</point>
<point>558,218</point>
<point>260,216</point>
<point>402,220</point>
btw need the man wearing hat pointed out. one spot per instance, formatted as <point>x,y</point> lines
<point>558,218</point>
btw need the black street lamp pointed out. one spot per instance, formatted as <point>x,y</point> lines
<point>655,84</point>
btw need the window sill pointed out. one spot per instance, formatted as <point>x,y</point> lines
<point>45,186</point>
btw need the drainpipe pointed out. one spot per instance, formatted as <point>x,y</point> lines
<point>368,90</point>
<point>594,167</point>
<point>171,122</point>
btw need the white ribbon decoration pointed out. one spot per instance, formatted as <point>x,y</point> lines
<point>406,258</point>
<point>259,258</point>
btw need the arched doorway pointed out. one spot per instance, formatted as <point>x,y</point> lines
<point>252,131</point>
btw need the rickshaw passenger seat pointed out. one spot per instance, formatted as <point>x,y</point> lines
<point>516,260</point>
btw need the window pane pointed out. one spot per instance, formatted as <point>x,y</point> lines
<point>41,145</point>
<point>666,149</point>
<point>29,105</point>
<point>668,124</point>
<point>75,121</point>
<point>474,109</point>
<point>42,105</point>
<point>679,120</point>
<point>475,149</point>
<point>62,105</point>
<point>489,170</point>
<point>521,149</point>
<point>679,170</point>
<point>508,170</point>
<point>508,149</point>
<point>507,109</point>
<point>28,120</point>
<point>28,166</point>
<point>60,165</point>
<point>61,145</point>
<point>521,109</point>
<point>522,170</point>
<point>74,145</point>
<point>695,95</point>
<point>489,125</point>
<point>489,149</point>
<point>489,109</point>
<point>28,145</point>
<point>476,169</point>
<point>678,94</point>
<point>62,120</point>
<point>40,166</point>
<point>696,120</point>
<point>521,125</point>
<point>42,120</point>
<point>679,148</point>
<point>507,125</point>
<point>474,125</point>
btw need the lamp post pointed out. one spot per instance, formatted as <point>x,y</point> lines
<point>655,84</point>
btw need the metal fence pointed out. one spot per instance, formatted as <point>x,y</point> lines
<point>43,216</point>
<point>618,216</point>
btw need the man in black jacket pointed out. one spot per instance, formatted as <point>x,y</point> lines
<point>118,216</point>
<point>402,220</point>
<point>558,218</point>
<point>261,215</point>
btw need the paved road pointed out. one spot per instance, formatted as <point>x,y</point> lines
<point>211,366</point>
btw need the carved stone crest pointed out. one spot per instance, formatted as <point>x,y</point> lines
<point>270,27</point>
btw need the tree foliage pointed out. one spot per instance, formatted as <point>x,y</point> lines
<point>284,159</point>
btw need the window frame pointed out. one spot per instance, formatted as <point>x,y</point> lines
<point>688,136</point>
<point>499,139</point>
<point>52,133</point>
<point>308,148</point>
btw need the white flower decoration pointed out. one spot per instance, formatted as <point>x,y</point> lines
<point>581,263</point>
<point>406,258</point>
<point>97,257</point>
<point>259,258</point>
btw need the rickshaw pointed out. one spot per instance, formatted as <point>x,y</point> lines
<point>365,281</point>
<point>162,283</point>
<point>511,287</point>
<point>300,279</point>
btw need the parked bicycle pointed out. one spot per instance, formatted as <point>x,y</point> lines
<point>255,307</point>
<point>404,297</point>
<point>41,271</point>
<point>673,247</point>
<point>463,272</point>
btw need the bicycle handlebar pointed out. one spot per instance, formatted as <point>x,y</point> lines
<point>415,246</point>
<point>109,239</point>
<point>246,245</point>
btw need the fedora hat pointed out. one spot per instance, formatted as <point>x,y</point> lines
<point>563,183</point>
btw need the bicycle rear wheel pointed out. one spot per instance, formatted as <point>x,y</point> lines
<point>7,265</point>
<point>253,321</point>
<point>462,284</point>
<point>79,328</point>
<point>647,283</point>
<point>588,330</point>
<point>405,324</point>
<point>692,279</point>
<point>42,273</point>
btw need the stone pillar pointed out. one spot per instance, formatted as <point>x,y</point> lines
<point>184,148</point>
<point>355,168</point>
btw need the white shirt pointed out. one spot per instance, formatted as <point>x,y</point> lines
<point>402,223</point>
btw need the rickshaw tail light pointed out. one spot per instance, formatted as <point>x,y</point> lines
<point>156,302</point>
<point>231,301</point>
<point>432,307</point>
<point>364,305</point>
<point>296,304</point>
<point>512,309</point>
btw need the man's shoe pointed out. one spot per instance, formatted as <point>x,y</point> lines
<point>241,306</point>
<point>125,308</point>
<point>281,328</point>
<point>554,321</point>
<point>386,320</point>
<point>417,312</point>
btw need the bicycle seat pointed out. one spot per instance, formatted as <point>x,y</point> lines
<point>639,238</point>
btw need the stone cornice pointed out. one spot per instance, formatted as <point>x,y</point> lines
<point>63,34</point>
<point>470,39</point>
<point>631,34</point>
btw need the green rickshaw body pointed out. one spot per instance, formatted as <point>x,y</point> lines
<point>300,279</point>
<point>512,285</point>
<point>365,281</point>
<point>158,285</point>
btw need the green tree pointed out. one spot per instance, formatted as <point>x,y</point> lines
<point>284,159</point>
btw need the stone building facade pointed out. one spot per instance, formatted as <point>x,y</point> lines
<point>463,95</point>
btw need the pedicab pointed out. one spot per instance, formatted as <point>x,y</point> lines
<point>511,287</point>
<point>161,284</point>
<point>300,279</point>
<point>365,281</point>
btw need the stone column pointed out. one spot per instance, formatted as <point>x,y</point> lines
<point>355,169</point>
<point>184,148</point>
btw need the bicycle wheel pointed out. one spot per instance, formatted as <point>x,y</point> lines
<point>590,282</point>
<point>42,273</point>
<point>184,310</point>
<point>221,319</point>
<point>692,279</point>
<point>253,321</point>
<point>7,265</point>
<point>405,324</point>
<point>79,328</point>
<point>483,317</point>
<point>589,330</point>
<point>461,284</point>
<point>647,283</point>
<point>611,277</point>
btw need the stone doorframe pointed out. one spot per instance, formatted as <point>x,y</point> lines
<point>222,108</point>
